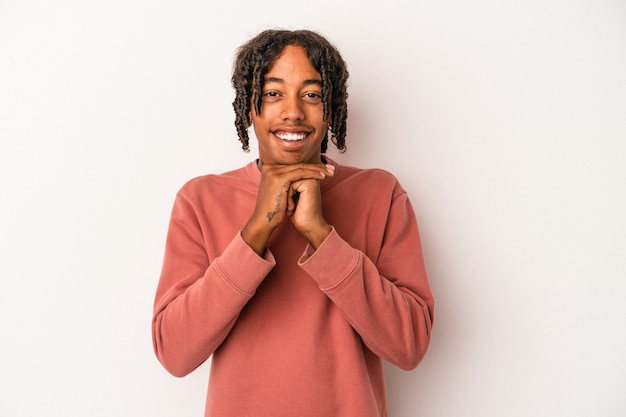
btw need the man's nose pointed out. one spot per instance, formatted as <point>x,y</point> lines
<point>292,108</point>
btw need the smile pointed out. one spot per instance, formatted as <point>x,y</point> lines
<point>290,136</point>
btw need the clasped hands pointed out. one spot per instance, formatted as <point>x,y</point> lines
<point>291,191</point>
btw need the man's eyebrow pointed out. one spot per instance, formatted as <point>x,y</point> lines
<point>314,81</point>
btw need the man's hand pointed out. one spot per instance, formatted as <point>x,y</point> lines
<point>307,215</point>
<point>292,191</point>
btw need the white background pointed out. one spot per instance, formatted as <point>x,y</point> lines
<point>504,120</point>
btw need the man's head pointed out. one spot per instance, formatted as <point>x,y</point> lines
<point>257,56</point>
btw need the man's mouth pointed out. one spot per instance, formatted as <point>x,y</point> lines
<point>290,136</point>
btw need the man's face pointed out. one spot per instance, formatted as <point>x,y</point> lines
<point>290,128</point>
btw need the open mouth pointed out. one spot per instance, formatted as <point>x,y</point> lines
<point>291,137</point>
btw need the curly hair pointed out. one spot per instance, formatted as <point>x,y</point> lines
<point>256,57</point>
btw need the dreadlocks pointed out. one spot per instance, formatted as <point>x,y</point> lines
<point>256,57</point>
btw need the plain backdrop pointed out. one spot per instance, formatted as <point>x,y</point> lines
<point>504,120</point>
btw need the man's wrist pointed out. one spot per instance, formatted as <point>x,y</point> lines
<point>318,235</point>
<point>256,238</point>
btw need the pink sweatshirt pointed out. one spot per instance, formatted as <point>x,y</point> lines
<point>297,332</point>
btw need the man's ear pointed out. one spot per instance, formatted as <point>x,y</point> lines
<point>252,111</point>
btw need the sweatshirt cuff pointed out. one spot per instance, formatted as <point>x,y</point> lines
<point>242,267</point>
<point>331,263</point>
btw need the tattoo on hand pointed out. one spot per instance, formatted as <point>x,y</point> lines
<point>271,214</point>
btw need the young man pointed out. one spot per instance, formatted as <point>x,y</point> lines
<point>295,274</point>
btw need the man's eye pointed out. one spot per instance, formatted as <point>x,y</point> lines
<point>315,97</point>
<point>270,96</point>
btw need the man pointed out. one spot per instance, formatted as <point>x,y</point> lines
<point>295,274</point>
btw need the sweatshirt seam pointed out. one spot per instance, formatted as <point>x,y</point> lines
<point>345,275</point>
<point>229,281</point>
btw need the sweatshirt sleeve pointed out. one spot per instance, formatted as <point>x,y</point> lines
<point>198,300</point>
<point>388,302</point>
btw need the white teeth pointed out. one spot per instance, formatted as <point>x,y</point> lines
<point>291,136</point>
